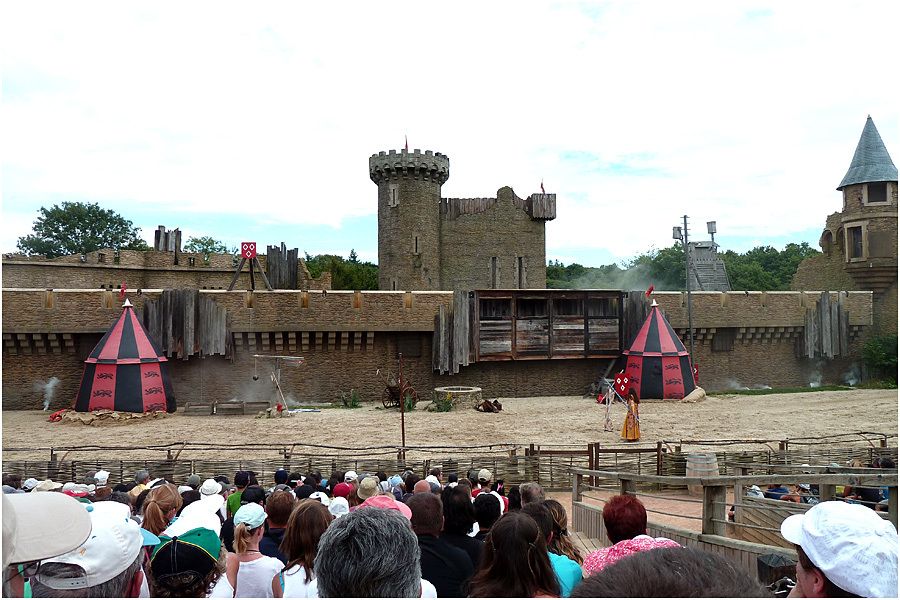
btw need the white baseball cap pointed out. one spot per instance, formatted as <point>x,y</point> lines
<point>321,497</point>
<point>350,476</point>
<point>854,547</point>
<point>37,526</point>
<point>338,507</point>
<point>210,487</point>
<point>112,546</point>
<point>102,477</point>
<point>201,513</point>
<point>30,484</point>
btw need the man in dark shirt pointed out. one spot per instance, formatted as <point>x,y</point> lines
<point>278,508</point>
<point>448,568</point>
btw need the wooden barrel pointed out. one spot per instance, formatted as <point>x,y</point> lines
<point>700,465</point>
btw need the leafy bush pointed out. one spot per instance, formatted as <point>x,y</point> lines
<point>351,401</point>
<point>443,403</point>
<point>880,357</point>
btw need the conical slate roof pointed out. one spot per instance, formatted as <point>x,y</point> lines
<point>871,161</point>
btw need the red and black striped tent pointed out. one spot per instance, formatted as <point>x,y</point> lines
<point>657,364</point>
<point>126,371</point>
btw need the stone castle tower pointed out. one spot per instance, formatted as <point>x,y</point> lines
<point>859,244</point>
<point>426,242</point>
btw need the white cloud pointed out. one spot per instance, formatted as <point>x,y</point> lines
<point>746,113</point>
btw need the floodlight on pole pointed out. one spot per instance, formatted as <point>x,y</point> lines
<point>711,230</point>
<point>687,278</point>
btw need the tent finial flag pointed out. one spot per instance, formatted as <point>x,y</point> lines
<point>127,303</point>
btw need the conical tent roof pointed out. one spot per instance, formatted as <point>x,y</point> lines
<point>126,371</point>
<point>871,161</point>
<point>658,365</point>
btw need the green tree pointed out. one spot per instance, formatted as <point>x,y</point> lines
<point>79,228</point>
<point>207,245</point>
<point>663,268</point>
<point>345,274</point>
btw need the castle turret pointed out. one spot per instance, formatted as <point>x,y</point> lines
<point>409,195</point>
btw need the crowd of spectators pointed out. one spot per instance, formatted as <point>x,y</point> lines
<point>372,535</point>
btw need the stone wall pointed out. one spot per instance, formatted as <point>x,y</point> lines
<point>346,336</point>
<point>156,272</point>
<point>504,231</point>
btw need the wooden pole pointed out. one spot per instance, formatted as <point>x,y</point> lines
<point>713,510</point>
<point>402,405</point>
<point>237,273</point>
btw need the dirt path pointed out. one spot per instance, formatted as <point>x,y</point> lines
<point>547,420</point>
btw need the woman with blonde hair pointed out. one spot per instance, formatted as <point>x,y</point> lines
<point>161,505</point>
<point>248,572</point>
<point>307,523</point>
<point>561,543</point>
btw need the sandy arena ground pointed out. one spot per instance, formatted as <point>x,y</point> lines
<point>549,420</point>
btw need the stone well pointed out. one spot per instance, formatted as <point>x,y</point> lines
<point>460,395</point>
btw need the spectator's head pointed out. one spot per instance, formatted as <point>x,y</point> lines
<point>120,497</point>
<point>253,494</point>
<point>561,543</point>
<point>253,480</point>
<point>142,477</point>
<point>305,527</point>
<point>193,481</point>
<point>248,526</point>
<point>279,506</point>
<point>106,565</point>
<point>160,507</point>
<point>421,487</point>
<point>436,473</point>
<point>472,476</point>
<point>384,552</point>
<point>342,490</point>
<point>843,548</point>
<point>382,476</point>
<point>304,491</point>
<point>624,517</point>
<point>888,463</point>
<point>452,478</point>
<point>427,514</point>
<point>515,498</point>
<point>102,477</point>
<point>186,566</point>
<point>543,518</point>
<point>409,482</point>
<point>293,479</point>
<point>338,507</point>
<point>241,479</point>
<point>671,573</point>
<point>487,510</point>
<point>12,480</point>
<point>350,476</point>
<point>459,513</point>
<point>531,492</point>
<point>484,478</point>
<point>515,562</point>
<point>187,498</point>
<point>281,476</point>
<point>368,487</point>
<point>211,487</point>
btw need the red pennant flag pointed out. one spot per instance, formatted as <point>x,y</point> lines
<point>542,187</point>
<point>122,291</point>
<point>622,383</point>
<point>405,143</point>
<point>649,291</point>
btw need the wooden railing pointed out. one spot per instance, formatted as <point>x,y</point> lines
<point>714,525</point>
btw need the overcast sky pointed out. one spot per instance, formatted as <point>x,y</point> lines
<point>255,121</point>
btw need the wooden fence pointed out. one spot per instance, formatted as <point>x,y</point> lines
<point>714,532</point>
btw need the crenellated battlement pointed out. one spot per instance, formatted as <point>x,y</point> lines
<point>429,165</point>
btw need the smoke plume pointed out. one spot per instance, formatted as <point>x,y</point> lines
<point>47,388</point>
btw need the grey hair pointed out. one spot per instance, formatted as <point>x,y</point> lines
<point>141,476</point>
<point>531,492</point>
<point>369,553</point>
<point>117,587</point>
